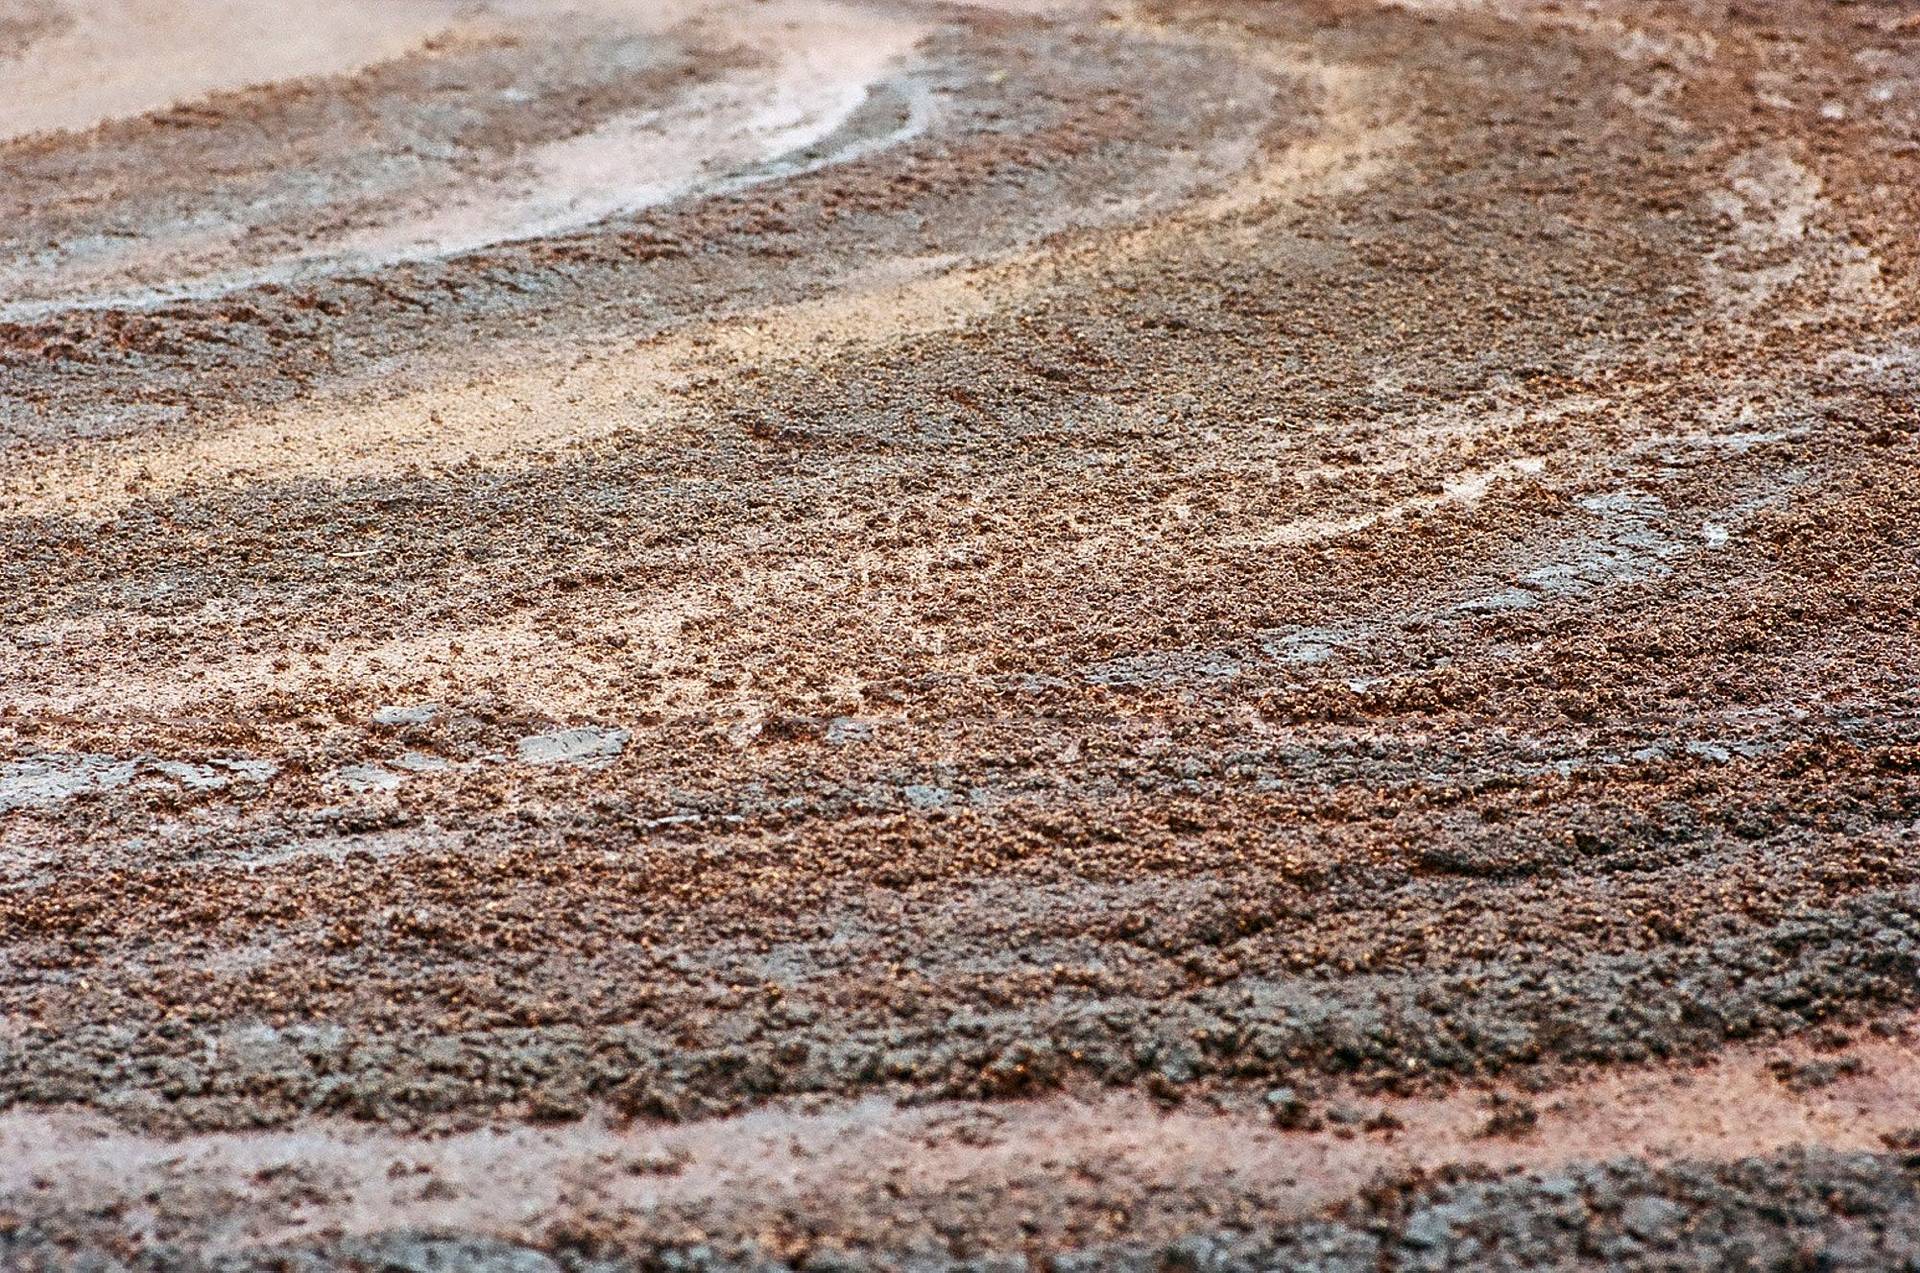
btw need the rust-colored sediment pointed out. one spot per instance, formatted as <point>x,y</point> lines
<point>896,633</point>
<point>1063,1171</point>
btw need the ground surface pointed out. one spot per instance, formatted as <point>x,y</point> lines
<point>1182,634</point>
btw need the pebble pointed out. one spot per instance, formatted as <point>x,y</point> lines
<point>586,745</point>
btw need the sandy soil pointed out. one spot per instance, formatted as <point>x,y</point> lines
<point>837,634</point>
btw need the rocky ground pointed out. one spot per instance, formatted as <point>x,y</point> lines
<point>829,634</point>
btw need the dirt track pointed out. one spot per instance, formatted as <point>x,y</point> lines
<point>1209,635</point>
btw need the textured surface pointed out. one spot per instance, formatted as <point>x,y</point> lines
<point>961,576</point>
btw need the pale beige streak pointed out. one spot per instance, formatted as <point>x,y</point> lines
<point>117,58</point>
<point>816,62</point>
<point>76,678</point>
<point>113,59</point>
<point>505,419</point>
<point>517,417</point>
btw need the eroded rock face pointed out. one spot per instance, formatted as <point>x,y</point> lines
<point>581,567</point>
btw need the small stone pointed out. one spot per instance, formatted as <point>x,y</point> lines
<point>1287,1108</point>
<point>842,730</point>
<point>191,776</point>
<point>419,714</point>
<point>921,796</point>
<point>367,778</point>
<point>587,745</point>
<point>1344,1115</point>
<point>1429,1228</point>
<point>1652,1220</point>
<point>250,770</point>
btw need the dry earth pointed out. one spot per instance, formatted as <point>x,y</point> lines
<point>842,634</point>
